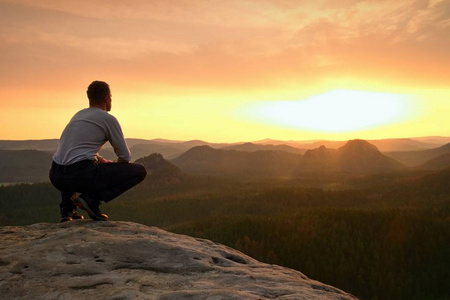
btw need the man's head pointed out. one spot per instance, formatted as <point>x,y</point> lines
<point>99,95</point>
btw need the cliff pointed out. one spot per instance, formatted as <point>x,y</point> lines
<point>124,260</point>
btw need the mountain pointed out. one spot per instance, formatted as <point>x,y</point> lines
<point>206,160</point>
<point>169,149</point>
<point>41,145</point>
<point>251,147</point>
<point>384,145</point>
<point>438,163</point>
<point>176,147</point>
<point>160,172</point>
<point>437,141</point>
<point>355,157</point>
<point>417,158</point>
<point>361,157</point>
<point>319,160</point>
<point>125,260</point>
<point>387,145</point>
<point>24,165</point>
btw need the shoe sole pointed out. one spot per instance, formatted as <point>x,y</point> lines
<point>84,206</point>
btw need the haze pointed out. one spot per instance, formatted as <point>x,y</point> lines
<point>227,71</point>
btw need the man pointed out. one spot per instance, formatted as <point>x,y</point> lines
<point>77,167</point>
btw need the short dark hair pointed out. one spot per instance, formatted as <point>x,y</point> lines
<point>97,91</point>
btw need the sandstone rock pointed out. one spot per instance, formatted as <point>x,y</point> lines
<point>124,260</point>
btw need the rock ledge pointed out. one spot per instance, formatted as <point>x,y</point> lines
<point>124,260</point>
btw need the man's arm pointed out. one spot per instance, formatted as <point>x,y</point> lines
<point>117,140</point>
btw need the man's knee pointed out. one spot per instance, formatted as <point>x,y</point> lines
<point>140,170</point>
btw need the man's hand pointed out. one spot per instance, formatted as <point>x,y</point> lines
<point>105,161</point>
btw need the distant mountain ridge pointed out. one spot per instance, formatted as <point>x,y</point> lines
<point>24,166</point>
<point>251,147</point>
<point>178,147</point>
<point>384,145</point>
<point>270,160</point>
<point>355,157</point>
<point>438,163</point>
<point>417,158</point>
<point>160,172</point>
<point>207,160</point>
<point>41,145</point>
<point>361,157</point>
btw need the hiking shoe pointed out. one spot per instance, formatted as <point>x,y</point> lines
<point>67,215</point>
<point>76,215</point>
<point>92,207</point>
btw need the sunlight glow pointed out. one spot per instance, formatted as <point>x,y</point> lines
<point>335,111</point>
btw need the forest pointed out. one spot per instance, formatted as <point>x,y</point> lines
<point>384,236</point>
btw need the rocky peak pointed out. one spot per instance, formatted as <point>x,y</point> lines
<point>160,172</point>
<point>361,157</point>
<point>358,147</point>
<point>319,153</point>
<point>199,153</point>
<point>124,260</point>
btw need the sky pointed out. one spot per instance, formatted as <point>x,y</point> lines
<point>229,71</point>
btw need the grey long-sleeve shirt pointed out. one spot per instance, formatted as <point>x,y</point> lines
<point>86,133</point>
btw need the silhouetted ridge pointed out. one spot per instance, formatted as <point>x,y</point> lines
<point>24,165</point>
<point>358,147</point>
<point>320,160</point>
<point>361,157</point>
<point>355,157</point>
<point>437,163</point>
<point>252,147</point>
<point>319,153</point>
<point>206,160</point>
<point>159,170</point>
<point>417,158</point>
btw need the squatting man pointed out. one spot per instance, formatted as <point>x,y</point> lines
<point>79,173</point>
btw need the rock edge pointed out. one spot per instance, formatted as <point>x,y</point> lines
<point>125,260</point>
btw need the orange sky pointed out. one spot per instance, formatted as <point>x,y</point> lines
<point>229,71</point>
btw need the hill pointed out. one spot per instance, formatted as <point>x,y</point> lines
<point>160,172</point>
<point>416,158</point>
<point>206,160</point>
<point>438,163</point>
<point>24,165</point>
<point>251,147</point>
<point>383,145</point>
<point>388,145</point>
<point>43,145</point>
<point>356,157</point>
<point>169,149</point>
<point>319,160</point>
<point>124,260</point>
<point>361,157</point>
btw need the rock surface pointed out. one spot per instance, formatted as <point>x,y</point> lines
<point>124,260</point>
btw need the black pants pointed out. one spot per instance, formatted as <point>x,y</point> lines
<point>102,182</point>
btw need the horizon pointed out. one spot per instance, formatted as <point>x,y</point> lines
<point>418,138</point>
<point>228,72</point>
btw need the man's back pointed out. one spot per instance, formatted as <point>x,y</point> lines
<point>85,135</point>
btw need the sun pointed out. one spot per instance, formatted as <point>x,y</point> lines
<point>335,111</point>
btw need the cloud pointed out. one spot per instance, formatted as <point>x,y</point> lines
<point>227,42</point>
